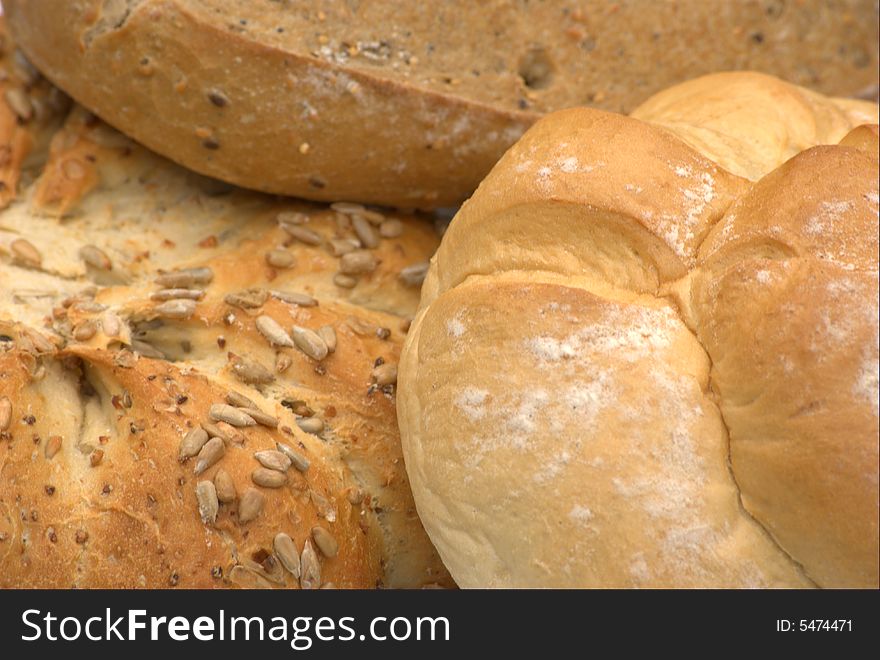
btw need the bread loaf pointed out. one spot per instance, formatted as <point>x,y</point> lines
<point>196,386</point>
<point>407,103</point>
<point>646,353</point>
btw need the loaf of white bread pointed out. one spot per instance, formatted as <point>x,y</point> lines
<point>646,353</point>
<point>196,382</point>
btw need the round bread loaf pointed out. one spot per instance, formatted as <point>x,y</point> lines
<point>647,350</point>
<point>407,103</point>
<point>197,383</point>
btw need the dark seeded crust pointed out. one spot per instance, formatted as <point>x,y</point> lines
<point>88,356</point>
<point>406,103</point>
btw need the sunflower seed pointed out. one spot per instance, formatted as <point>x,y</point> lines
<point>210,453</point>
<point>358,262</point>
<point>147,350</point>
<point>328,334</point>
<point>270,568</point>
<point>261,418</point>
<point>85,330</point>
<point>385,374</point>
<point>391,228</point>
<point>273,460</point>
<point>268,478</point>
<point>206,495</point>
<point>344,281</point>
<point>53,446</point>
<point>225,486</point>
<point>309,342</point>
<point>246,579</point>
<point>218,98</point>
<point>220,412</point>
<point>25,253</point>
<point>325,508</point>
<point>171,294</point>
<point>176,309</point>
<point>293,298</point>
<point>414,274</point>
<point>325,542</point>
<point>373,217</point>
<point>192,443</point>
<point>282,362</point>
<point>348,208</point>
<point>341,246</point>
<point>313,425</point>
<point>184,278</point>
<point>95,257</point>
<point>226,432</point>
<point>285,550</point>
<point>5,413</point>
<point>110,324</point>
<point>247,299</point>
<point>278,258</point>
<point>310,566</point>
<point>272,331</point>
<point>19,103</point>
<point>298,461</point>
<point>250,372</point>
<point>302,234</point>
<point>239,400</point>
<point>292,218</point>
<point>250,505</point>
<point>365,232</point>
<point>88,307</point>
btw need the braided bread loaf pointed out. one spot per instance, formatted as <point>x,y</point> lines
<point>647,350</point>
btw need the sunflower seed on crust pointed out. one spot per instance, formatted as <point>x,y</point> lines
<point>328,334</point>
<point>344,281</point>
<point>313,425</point>
<point>250,505</point>
<point>250,372</point>
<point>176,309</point>
<point>309,342</point>
<point>225,486</point>
<point>85,330</point>
<point>95,257</point>
<point>268,478</point>
<point>341,246</point>
<point>294,298</point>
<point>303,234</point>
<point>221,412</point>
<point>310,567</point>
<point>172,294</point>
<point>348,208</point>
<point>291,218</point>
<point>53,446</point>
<point>288,555</point>
<point>210,453</point>
<point>273,332</point>
<point>239,400</point>
<point>278,258</point>
<point>206,495</point>
<point>247,298</point>
<point>192,443</point>
<point>24,252</point>
<point>391,228</point>
<point>358,262</point>
<point>110,324</point>
<point>414,274</point>
<point>328,545</point>
<point>184,278</point>
<point>298,461</point>
<point>365,232</point>
<point>273,460</point>
<point>385,374</point>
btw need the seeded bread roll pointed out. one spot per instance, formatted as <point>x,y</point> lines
<point>407,103</point>
<point>195,391</point>
<point>646,353</point>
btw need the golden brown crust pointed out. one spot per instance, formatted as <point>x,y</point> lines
<point>380,83</point>
<point>117,356</point>
<point>586,399</point>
